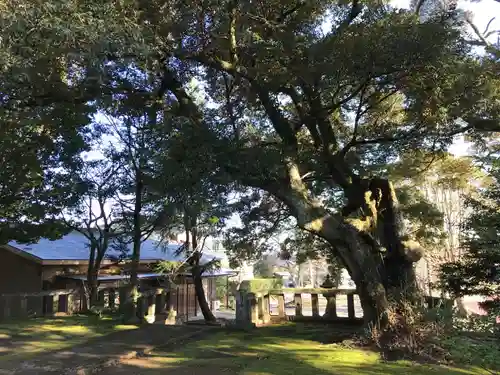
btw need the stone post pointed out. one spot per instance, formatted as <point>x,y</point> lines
<point>151,308</point>
<point>281,306</point>
<point>298,304</point>
<point>55,304</point>
<point>253,308</point>
<point>267,315</point>
<point>315,305</point>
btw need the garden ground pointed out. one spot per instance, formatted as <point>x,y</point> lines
<point>83,345</point>
<point>293,350</point>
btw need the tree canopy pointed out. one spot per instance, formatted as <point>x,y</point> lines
<point>309,102</point>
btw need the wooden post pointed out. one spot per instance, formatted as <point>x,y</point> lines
<point>315,305</point>
<point>6,307</point>
<point>187,301</point>
<point>281,306</point>
<point>195,305</point>
<point>38,305</point>
<point>23,306</point>
<point>298,304</point>
<point>350,306</point>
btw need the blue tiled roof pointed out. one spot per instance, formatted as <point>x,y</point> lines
<point>74,247</point>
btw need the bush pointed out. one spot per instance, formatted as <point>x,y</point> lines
<point>440,335</point>
<point>261,285</point>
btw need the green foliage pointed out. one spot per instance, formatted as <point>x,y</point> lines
<point>261,285</point>
<point>478,272</point>
<point>264,268</point>
<point>304,114</point>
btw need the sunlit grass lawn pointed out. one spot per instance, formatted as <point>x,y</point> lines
<point>24,338</point>
<point>266,353</point>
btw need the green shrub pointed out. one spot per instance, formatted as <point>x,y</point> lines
<point>261,285</point>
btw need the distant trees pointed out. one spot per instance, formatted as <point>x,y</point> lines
<point>477,271</point>
<point>95,215</point>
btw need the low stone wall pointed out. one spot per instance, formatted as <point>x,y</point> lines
<point>255,308</point>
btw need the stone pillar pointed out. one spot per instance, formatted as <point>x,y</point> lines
<point>331,305</point>
<point>267,315</point>
<point>253,308</point>
<point>281,306</point>
<point>70,304</point>
<point>315,305</point>
<point>150,308</point>
<point>298,304</point>
<point>55,304</point>
<point>260,307</point>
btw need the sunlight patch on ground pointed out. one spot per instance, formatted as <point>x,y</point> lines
<point>22,339</point>
<point>258,354</point>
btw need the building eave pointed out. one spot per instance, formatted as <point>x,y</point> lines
<point>22,253</point>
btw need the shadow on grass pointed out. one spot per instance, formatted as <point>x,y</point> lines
<point>267,351</point>
<point>21,339</point>
<point>289,349</point>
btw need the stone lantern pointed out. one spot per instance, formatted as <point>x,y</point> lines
<point>331,298</point>
<point>328,283</point>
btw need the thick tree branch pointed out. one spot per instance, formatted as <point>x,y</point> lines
<point>356,9</point>
<point>282,126</point>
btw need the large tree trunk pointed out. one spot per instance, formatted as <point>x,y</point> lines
<point>370,245</point>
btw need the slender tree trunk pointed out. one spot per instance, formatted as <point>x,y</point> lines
<point>92,273</point>
<point>133,288</point>
<point>200,295</point>
<point>196,271</point>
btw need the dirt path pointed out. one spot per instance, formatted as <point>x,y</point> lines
<point>97,354</point>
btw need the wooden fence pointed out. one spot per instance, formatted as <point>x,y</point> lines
<point>151,303</point>
<point>271,306</point>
